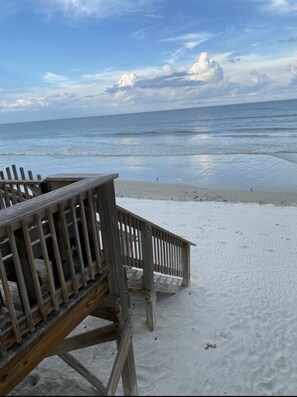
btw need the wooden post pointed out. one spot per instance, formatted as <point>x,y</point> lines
<point>116,276</point>
<point>186,265</point>
<point>148,274</point>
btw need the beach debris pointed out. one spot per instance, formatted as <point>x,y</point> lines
<point>210,346</point>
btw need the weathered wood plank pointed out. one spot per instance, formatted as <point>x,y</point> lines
<point>50,334</point>
<point>83,371</point>
<point>96,336</point>
<point>124,347</point>
<point>27,209</point>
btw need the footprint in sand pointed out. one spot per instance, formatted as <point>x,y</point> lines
<point>226,361</point>
<point>34,379</point>
<point>225,335</point>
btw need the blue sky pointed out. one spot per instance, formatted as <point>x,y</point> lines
<point>72,58</point>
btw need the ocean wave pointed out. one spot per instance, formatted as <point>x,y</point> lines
<point>130,134</point>
<point>216,152</point>
<point>238,132</point>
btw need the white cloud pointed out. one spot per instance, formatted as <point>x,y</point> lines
<point>167,69</point>
<point>128,79</point>
<point>162,87</point>
<point>22,103</point>
<point>206,69</point>
<point>280,6</point>
<point>53,78</point>
<point>259,80</point>
<point>94,8</point>
<point>190,40</point>
<point>185,42</point>
<point>293,71</point>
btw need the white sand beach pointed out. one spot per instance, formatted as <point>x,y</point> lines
<point>233,331</point>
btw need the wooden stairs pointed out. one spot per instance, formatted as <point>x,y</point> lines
<point>68,251</point>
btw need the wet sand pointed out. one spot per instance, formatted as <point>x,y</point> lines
<point>183,192</point>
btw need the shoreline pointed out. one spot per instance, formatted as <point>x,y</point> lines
<point>185,192</point>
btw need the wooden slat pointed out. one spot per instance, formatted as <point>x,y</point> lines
<point>77,242</point>
<point>93,222</point>
<point>32,268</point>
<point>86,236</point>
<point>48,265</point>
<point>13,195</point>
<point>9,303</point>
<point>5,190</point>
<point>23,279</point>
<point>58,261</point>
<point>22,172</point>
<point>66,240</point>
<point>20,193</point>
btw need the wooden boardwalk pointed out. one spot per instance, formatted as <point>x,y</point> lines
<point>68,251</point>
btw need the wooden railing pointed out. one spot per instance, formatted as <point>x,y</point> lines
<point>56,269</point>
<point>143,244</point>
<point>49,250</point>
<point>16,186</point>
<point>169,252</point>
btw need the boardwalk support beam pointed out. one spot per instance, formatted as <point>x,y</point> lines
<point>148,274</point>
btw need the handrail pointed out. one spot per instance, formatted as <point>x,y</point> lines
<point>60,229</point>
<point>52,198</point>
<point>170,252</point>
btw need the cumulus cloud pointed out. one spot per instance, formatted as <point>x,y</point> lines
<point>173,79</point>
<point>206,75</point>
<point>128,79</point>
<point>206,69</point>
<point>164,87</point>
<point>13,104</point>
<point>259,80</point>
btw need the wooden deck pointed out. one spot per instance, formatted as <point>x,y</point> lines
<point>58,231</point>
<point>68,251</point>
<point>162,257</point>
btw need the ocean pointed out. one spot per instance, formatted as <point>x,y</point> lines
<point>240,146</point>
